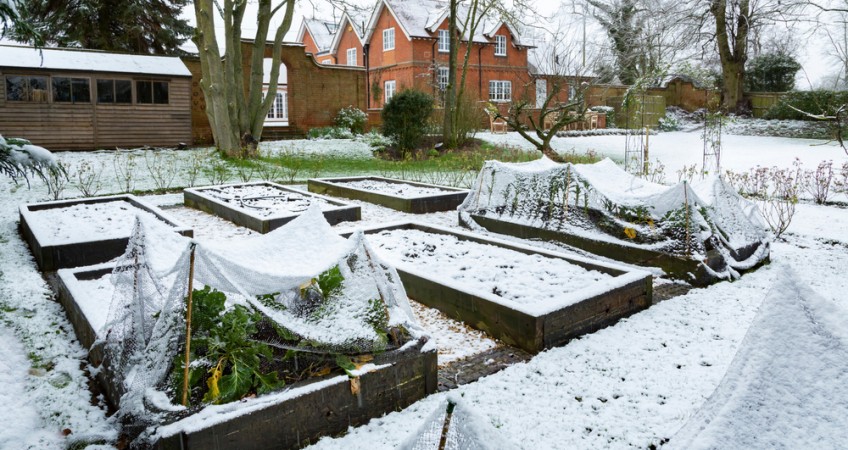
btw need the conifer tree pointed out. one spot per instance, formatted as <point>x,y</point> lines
<point>135,26</point>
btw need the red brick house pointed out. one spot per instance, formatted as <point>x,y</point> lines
<point>405,44</point>
<point>317,35</point>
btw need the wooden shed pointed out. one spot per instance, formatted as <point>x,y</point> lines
<point>69,99</point>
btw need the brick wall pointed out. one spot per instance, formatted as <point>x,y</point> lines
<point>315,92</point>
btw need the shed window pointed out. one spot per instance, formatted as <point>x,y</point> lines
<point>114,91</point>
<point>71,90</point>
<point>500,45</point>
<point>155,92</point>
<point>24,88</point>
<point>389,39</point>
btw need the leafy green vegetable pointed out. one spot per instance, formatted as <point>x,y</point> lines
<point>330,282</point>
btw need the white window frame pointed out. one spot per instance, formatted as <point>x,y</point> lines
<point>351,56</point>
<point>444,41</point>
<point>327,61</point>
<point>500,91</point>
<point>442,77</point>
<point>389,88</point>
<point>279,111</point>
<point>541,91</point>
<point>500,45</point>
<point>389,39</point>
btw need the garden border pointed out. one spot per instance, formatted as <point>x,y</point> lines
<point>195,198</point>
<point>533,329</point>
<point>85,253</point>
<point>415,205</point>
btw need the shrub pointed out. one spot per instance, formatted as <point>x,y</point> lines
<point>352,118</point>
<point>813,102</point>
<point>329,133</point>
<point>405,118</point>
<point>668,122</point>
<point>375,140</point>
<point>772,72</point>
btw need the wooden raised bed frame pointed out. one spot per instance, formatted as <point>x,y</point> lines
<point>448,201</point>
<point>582,312</point>
<point>195,198</point>
<point>401,378</point>
<point>77,254</point>
<point>686,269</point>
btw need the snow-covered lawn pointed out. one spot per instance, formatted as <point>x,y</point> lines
<point>630,385</point>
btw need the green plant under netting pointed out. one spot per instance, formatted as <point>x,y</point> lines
<point>237,352</point>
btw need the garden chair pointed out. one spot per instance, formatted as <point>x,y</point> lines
<point>496,124</point>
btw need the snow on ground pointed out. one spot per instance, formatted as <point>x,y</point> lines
<point>679,149</point>
<point>454,339</point>
<point>632,384</point>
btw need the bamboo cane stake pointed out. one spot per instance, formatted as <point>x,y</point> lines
<point>188,326</point>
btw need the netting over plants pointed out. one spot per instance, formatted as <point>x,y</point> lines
<point>453,425</point>
<point>300,301</point>
<point>601,202</point>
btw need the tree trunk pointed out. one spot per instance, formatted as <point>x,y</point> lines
<point>732,43</point>
<point>237,112</point>
<point>448,138</point>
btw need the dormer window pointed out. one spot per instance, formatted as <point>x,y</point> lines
<point>389,39</point>
<point>500,45</point>
<point>444,41</point>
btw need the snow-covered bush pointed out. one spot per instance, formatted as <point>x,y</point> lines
<point>352,118</point>
<point>375,140</point>
<point>668,122</point>
<point>330,133</point>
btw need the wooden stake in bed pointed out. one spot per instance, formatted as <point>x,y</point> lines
<point>188,326</point>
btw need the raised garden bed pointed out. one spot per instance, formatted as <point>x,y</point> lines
<point>475,279</point>
<point>400,195</point>
<point>293,418</point>
<point>694,271</point>
<point>264,206</point>
<point>82,232</point>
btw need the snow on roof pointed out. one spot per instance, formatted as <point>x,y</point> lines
<point>90,61</point>
<point>322,32</point>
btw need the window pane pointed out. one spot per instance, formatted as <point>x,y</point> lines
<point>105,91</point>
<point>38,89</point>
<point>160,92</point>
<point>144,91</point>
<point>16,88</point>
<point>444,41</point>
<point>123,91</point>
<point>80,90</point>
<point>61,89</point>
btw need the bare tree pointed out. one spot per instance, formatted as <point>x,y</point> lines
<point>237,114</point>
<point>729,25</point>
<point>539,120</point>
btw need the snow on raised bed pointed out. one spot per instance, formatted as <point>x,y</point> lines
<point>265,200</point>
<point>402,190</point>
<point>514,276</point>
<point>84,222</point>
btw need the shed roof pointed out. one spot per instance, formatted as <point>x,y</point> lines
<point>90,61</point>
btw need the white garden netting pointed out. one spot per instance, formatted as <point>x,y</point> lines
<point>602,202</point>
<point>454,425</point>
<point>280,274</point>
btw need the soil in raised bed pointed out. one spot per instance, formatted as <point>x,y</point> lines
<point>86,222</point>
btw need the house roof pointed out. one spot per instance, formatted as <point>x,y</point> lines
<point>356,20</point>
<point>412,16</point>
<point>90,61</point>
<point>322,32</point>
